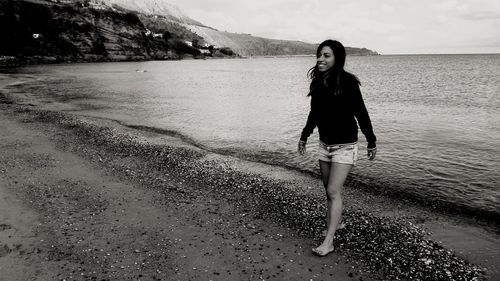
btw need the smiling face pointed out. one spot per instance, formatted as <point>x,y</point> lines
<point>325,59</point>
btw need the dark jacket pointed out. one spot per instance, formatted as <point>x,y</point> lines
<point>335,115</point>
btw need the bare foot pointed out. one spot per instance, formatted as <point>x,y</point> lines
<point>339,226</point>
<point>323,250</point>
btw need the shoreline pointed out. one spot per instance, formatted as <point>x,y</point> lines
<point>389,216</point>
<point>69,218</point>
<point>276,195</point>
<point>476,214</point>
<point>13,61</point>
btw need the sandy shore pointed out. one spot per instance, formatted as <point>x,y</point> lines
<point>85,198</point>
<point>64,217</point>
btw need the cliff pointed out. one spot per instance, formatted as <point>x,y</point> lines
<point>42,31</point>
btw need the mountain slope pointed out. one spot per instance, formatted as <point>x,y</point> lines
<point>153,7</point>
<point>75,32</point>
<point>42,31</point>
<point>248,45</point>
<point>242,44</point>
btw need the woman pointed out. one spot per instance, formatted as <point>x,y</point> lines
<point>336,104</point>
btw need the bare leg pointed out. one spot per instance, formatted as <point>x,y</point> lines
<point>336,178</point>
<point>325,168</point>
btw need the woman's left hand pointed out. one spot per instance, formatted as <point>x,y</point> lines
<point>371,153</point>
<point>301,148</point>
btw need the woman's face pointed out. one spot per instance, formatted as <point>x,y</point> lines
<point>326,59</point>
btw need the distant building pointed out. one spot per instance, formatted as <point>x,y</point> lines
<point>62,1</point>
<point>98,6</point>
<point>148,32</point>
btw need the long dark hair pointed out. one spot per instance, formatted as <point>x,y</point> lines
<point>336,75</point>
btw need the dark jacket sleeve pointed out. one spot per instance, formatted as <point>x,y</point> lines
<point>311,123</point>
<point>362,116</point>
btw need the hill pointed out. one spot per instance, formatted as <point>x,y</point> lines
<point>242,44</point>
<point>42,31</point>
<point>45,31</point>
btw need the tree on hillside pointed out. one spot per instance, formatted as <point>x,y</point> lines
<point>132,19</point>
<point>180,47</point>
<point>167,35</point>
<point>227,51</point>
<point>196,43</point>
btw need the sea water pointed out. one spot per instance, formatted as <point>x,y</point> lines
<point>436,117</point>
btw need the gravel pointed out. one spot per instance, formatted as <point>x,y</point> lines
<point>393,248</point>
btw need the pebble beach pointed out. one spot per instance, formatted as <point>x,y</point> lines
<point>382,240</point>
<point>103,201</point>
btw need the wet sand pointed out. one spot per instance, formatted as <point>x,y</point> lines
<point>84,198</point>
<point>64,217</point>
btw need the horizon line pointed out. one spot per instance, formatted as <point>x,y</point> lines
<point>418,54</point>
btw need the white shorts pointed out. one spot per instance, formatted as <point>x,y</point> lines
<point>345,153</point>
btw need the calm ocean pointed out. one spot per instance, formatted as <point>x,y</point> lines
<point>436,117</point>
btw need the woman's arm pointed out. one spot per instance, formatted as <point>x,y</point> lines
<point>311,123</point>
<point>363,118</point>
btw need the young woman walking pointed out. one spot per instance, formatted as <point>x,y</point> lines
<point>337,108</point>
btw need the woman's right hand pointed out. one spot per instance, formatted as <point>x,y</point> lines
<point>371,152</point>
<point>301,147</point>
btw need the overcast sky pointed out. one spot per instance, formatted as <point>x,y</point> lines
<point>386,26</point>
